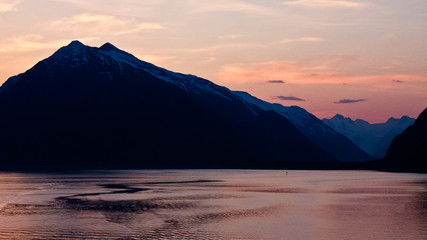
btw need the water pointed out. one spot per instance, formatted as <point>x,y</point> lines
<point>213,204</point>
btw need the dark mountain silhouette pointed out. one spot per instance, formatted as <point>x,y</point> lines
<point>375,138</point>
<point>88,107</point>
<point>314,129</point>
<point>408,151</point>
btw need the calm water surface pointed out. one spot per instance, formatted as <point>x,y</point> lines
<point>213,204</point>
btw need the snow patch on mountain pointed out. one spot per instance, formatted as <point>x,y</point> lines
<point>185,81</point>
<point>76,54</point>
<point>304,120</point>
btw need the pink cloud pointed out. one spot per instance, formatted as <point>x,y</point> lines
<point>302,39</point>
<point>310,72</point>
<point>325,3</point>
<point>8,5</point>
<point>289,98</point>
<point>346,101</point>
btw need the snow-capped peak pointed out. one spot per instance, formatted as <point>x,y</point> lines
<point>185,81</point>
<point>77,54</point>
<point>108,47</point>
<point>76,43</point>
<point>74,54</point>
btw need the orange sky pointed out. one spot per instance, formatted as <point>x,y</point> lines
<point>363,59</point>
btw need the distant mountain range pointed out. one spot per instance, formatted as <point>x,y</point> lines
<point>408,151</point>
<point>375,139</point>
<point>314,129</point>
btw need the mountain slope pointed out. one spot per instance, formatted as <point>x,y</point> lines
<point>88,107</point>
<point>373,138</point>
<point>408,151</point>
<point>314,129</point>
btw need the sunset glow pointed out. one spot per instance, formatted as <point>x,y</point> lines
<point>361,58</point>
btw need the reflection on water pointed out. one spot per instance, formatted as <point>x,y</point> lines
<point>213,204</point>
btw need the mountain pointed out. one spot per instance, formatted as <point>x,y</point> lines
<point>89,107</point>
<point>314,129</point>
<point>372,138</point>
<point>408,151</point>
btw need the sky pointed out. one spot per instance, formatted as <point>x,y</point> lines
<point>363,59</point>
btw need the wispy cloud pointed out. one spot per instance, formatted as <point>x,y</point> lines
<point>310,72</point>
<point>156,58</point>
<point>102,24</point>
<point>129,8</point>
<point>289,98</point>
<point>28,43</point>
<point>230,36</point>
<point>151,7</point>
<point>224,46</point>
<point>98,23</point>
<point>240,73</point>
<point>142,27</point>
<point>208,60</point>
<point>325,3</point>
<point>302,39</point>
<point>8,5</point>
<point>228,6</point>
<point>344,101</point>
<point>275,81</point>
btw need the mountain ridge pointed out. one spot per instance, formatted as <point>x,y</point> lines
<point>88,107</point>
<point>408,151</point>
<point>314,129</point>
